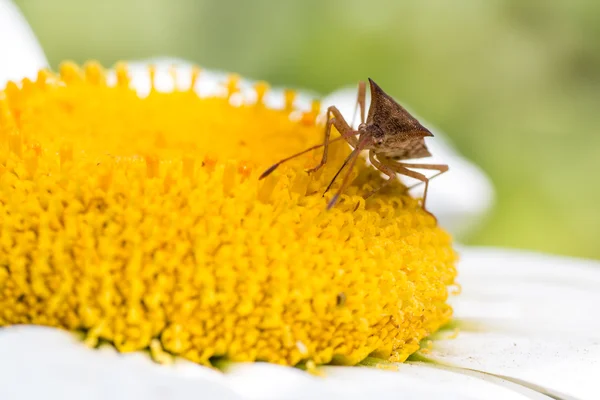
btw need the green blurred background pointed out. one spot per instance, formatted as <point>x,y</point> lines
<point>515,84</point>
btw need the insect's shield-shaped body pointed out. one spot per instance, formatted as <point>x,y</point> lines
<point>396,134</point>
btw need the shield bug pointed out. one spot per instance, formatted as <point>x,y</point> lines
<point>389,133</point>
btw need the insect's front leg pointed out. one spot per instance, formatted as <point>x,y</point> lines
<point>335,118</point>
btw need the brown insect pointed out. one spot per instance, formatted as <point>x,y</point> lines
<point>390,134</point>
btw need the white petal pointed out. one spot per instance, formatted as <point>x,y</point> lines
<point>266,382</point>
<point>20,52</point>
<point>210,82</point>
<point>62,368</point>
<point>421,381</point>
<point>461,196</point>
<point>530,317</point>
<point>38,362</point>
<point>263,381</point>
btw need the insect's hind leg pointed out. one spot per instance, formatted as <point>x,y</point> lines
<point>391,168</point>
<point>441,168</point>
<point>391,173</point>
<point>343,128</point>
<point>403,168</point>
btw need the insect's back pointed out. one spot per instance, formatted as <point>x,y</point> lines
<point>404,134</point>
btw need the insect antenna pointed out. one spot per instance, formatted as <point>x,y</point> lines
<point>278,163</point>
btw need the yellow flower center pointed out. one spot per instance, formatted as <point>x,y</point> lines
<point>141,221</point>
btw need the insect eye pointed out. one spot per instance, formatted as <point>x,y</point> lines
<point>379,141</point>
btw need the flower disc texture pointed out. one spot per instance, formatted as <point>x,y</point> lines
<point>140,221</point>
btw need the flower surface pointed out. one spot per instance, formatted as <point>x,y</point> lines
<point>141,221</point>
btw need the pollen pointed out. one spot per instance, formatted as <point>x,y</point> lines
<point>141,221</point>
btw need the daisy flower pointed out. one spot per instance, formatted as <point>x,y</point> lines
<point>141,257</point>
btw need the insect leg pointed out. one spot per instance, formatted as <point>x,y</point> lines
<point>330,121</point>
<point>277,164</point>
<point>441,168</point>
<point>338,172</point>
<point>391,168</point>
<point>353,157</point>
<point>413,174</point>
<point>343,128</point>
<point>402,168</point>
<point>383,168</point>
<point>437,167</point>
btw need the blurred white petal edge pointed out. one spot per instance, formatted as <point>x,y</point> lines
<point>527,318</point>
<point>210,82</point>
<point>461,197</point>
<point>21,54</point>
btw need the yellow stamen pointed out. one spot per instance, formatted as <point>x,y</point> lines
<point>454,334</point>
<point>152,74</point>
<point>141,221</point>
<point>428,347</point>
<point>122,75</point>
<point>94,73</point>
<point>233,84</point>
<point>261,89</point>
<point>289,98</point>
<point>15,143</point>
<point>309,118</point>
<point>387,366</point>
<point>457,289</point>
<point>69,72</point>
<point>66,154</point>
<point>42,78</point>
<point>194,78</point>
